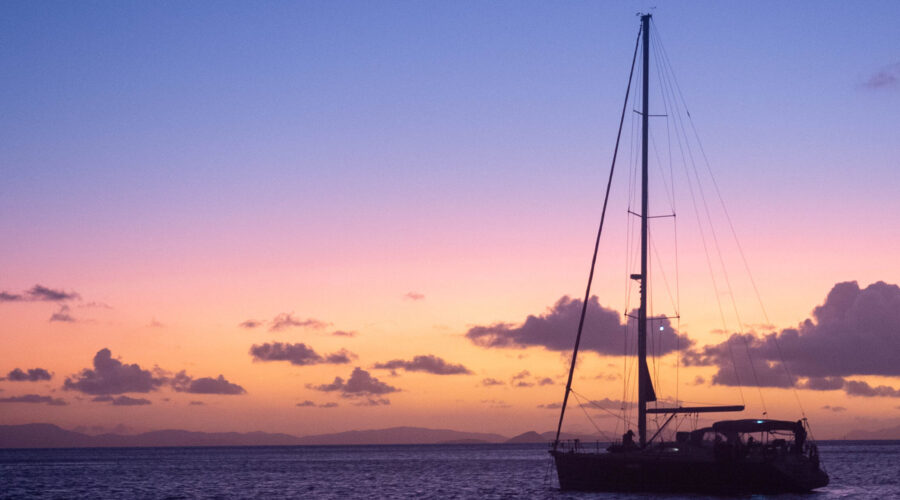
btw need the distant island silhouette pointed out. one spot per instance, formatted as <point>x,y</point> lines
<point>53,436</point>
<point>40,435</point>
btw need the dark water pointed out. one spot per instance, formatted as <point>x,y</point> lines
<point>857,469</point>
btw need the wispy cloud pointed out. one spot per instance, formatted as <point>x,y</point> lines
<point>428,363</point>
<point>287,320</point>
<point>414,296</point>
<point>62,315</point>
<point>39,293</point>
<point>885,78</point>
<point>121,401</point>
<point>34,399</point>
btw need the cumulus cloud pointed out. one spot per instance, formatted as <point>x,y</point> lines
<point>297,354</point>
<point>861,388</point>
<point>887,77</point>
<point>854,332</point>
<point>361,384</point>
<point>34,399</point>
<point>414,296</point>
<point>555,330</point>
<point>111,376</point>
<point>122,400</point>
<point>32,375</point>
<point>428,363</point>
<point>287,320</point>
<point>62,315</point>
<point>545,381</point>
<point>182,382</point>
<point>488,382</point>
<point>306,403</point>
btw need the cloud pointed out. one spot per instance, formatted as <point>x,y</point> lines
<point>297,354</point>
<point>62,315</point>
<point>306,403</point>
<point>834,408</point>
<point>496,403</point>
<point>197,403</point>
<point>111,376</point>
<point>360,384</point>
<point>887,77</point>
<point>823,383</point>
<point>428,363</point>
<point>32,375</point>
<point>605,404</point>
<point>39,293</point>
<point>250,324</point>
<point>343,333</point>
<point>854,332</point>
<point>34,399</point>
<point>122,400</point>
<point>555,330</point>
<point>414,296</point>
<point>182,382</point>
<point>287,320</point>
<point>860,388</point>
<point>370,401</point>
<point>328,405</point>
<point>488,382</point>
<point>155,324</point>
<point>545,381</point>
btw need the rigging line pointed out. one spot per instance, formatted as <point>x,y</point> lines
<point>677,120</point>
<point>594,403</point>
<point>736,240</point>
<point>663,273</point>
<point>587,292</point>
<point>588,415</point>
<point>670,191</point>
<point>662,174</point>
<point>665,103</point>
<point>721,259</point>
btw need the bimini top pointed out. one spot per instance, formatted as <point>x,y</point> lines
<point>752,425</point>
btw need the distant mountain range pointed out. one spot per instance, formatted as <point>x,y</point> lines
<point>52,436</point>
<point>887,433</point>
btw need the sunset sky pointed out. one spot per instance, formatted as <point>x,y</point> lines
<point>311,217</point>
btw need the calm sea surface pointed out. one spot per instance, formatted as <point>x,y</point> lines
<point>857,470</point>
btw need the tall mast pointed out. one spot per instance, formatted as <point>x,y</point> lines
<point>644,374</point>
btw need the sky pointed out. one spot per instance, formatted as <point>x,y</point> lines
<point>311,217</point>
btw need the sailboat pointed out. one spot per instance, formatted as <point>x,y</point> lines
<point>746,456</point>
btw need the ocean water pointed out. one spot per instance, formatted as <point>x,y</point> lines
<point>857,469</point>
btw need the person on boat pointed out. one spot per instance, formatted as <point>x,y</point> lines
<point>628,439</point>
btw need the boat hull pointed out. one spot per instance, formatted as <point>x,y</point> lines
<point>646,472</point>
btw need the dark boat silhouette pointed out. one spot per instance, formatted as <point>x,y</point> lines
<point>729,457</point>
